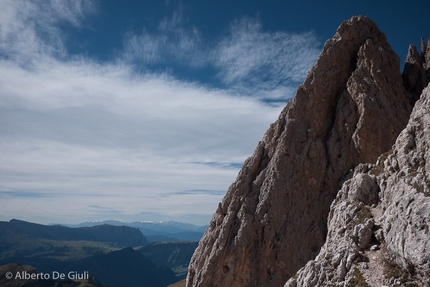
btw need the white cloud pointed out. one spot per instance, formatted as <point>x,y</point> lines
<point>82,140</point>
<point>156,107</point>
<point>266,61</point>
<point>29,29</point>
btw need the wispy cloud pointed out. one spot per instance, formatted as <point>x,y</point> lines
<point>170,43</point>
<point>86,139</point>
<point>30,30</point>
<point>264,61</point>
<point>249,61</point>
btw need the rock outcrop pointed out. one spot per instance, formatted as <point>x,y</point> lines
<point>273,219</point>
<point>379,224</point>
<point>416,74</point>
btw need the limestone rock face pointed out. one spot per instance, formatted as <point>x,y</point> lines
<point>273,219</point>
<point>406,194</point>
<point>379,224</point>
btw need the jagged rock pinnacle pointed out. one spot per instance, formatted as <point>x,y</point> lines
<point>273,219</point>
<point>416,74</point>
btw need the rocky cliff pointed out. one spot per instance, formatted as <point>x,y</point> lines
<point>379,224</point>
<point>273,219</point>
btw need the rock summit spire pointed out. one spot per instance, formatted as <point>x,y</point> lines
<point>273,219</point>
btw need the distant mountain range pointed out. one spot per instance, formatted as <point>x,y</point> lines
<point>156,231</point>
<point>120,235</point>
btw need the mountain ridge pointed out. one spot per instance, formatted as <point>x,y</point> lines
<point>156,230</point>
<point>123,235</point>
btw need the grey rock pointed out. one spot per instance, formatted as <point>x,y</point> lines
<point>379,235</point>
<point>407,196</point>
<point>404,233</point>
<point>374,247</point>
<point>364,189</point>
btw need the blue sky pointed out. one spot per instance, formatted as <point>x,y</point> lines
<point>145,110</point>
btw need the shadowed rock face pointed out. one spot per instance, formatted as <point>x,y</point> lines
<point>416,74</point>
<point>273,219</point>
